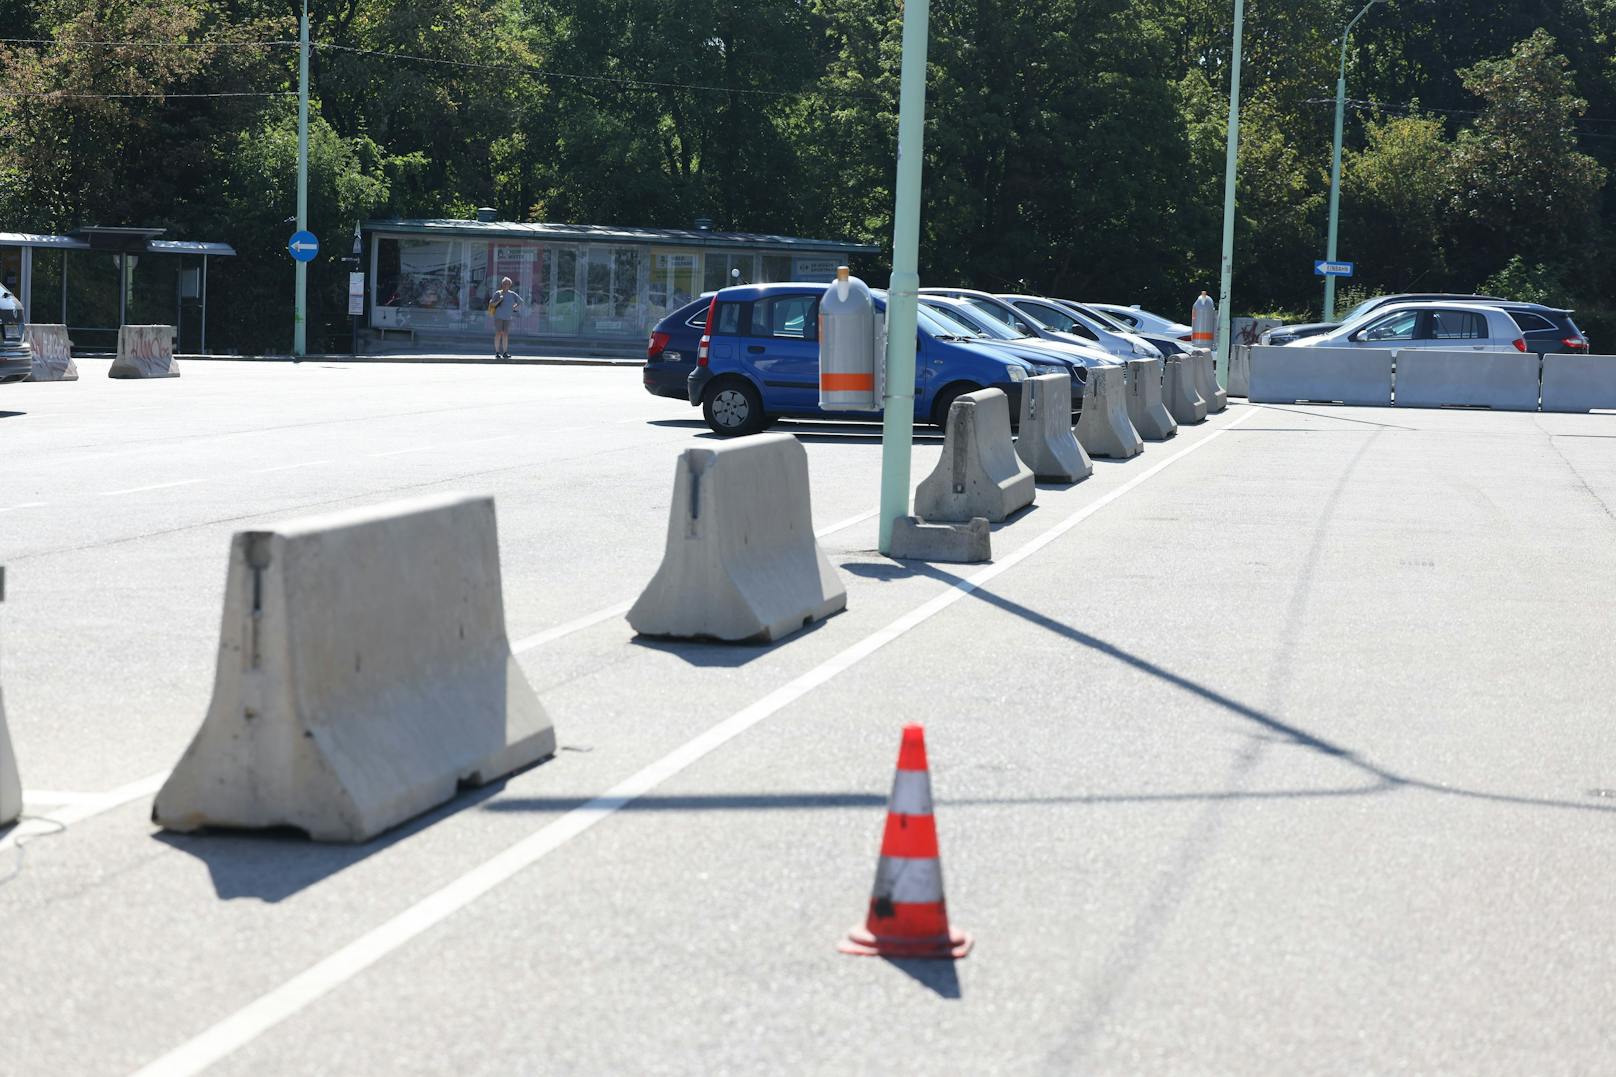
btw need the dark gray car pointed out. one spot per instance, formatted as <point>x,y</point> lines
<point>16,362</point>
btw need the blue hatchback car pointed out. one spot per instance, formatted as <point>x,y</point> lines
<point>670,353</point>
<point>759,361</point>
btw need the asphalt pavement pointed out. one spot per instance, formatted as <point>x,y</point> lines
<point>1284,747</point>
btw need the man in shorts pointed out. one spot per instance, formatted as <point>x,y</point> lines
<point>504,305</point>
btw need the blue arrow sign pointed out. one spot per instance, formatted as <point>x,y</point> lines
<point>1332,269</point>
<point>303,246</point>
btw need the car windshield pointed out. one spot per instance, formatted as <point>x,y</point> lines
<point>1106,321</point>
<point>937,327</point>
<point>981,325</point>
<point>998,314</point>
<point>957,326</point>
<point>1358,311</point>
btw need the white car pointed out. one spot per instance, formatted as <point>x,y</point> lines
<point>1143,321</point>
<point>1453,326</point>
<point>1064,317</point>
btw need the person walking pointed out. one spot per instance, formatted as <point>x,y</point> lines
<point>504,305</point>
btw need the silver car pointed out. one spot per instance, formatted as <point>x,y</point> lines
<point>16,361</point>
<point>1453,326</point>
<point>1069,318</point>
<point>1143,321</point>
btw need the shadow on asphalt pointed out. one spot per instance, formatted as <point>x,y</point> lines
<point>702,802</point>
<point>272,865</point>
<point>12,414</point>
<point>716,653</point>
<point>940,976</point>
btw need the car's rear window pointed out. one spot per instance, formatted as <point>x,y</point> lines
<point>1531,323</point>
<point>729,319</point>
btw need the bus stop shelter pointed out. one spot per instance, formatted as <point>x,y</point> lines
<point>97,279</point>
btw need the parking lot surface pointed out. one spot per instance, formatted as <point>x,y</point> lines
<point>1283,747</point>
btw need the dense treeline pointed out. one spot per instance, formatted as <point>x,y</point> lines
<point>1073,146</point>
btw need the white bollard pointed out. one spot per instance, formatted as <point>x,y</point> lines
<point>1145,408</point>
<point>1104,428</point>
<point>364,675</point>
<point>741,562</point>
<point>979,473</point>
<point>1178,388</point>
<point>1045,441</point>
<point>145,351</point>
<point>52,353</point>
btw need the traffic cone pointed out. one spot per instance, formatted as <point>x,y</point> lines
<point>907,915</point>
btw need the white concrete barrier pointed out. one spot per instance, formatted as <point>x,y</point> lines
<point>52,353</point>
<point>960,544</point>
<point>741,561</point>
<point>1145,408</point>
<point>145,351</point>
<point>1239,369</point>
<point>1283,375</point>
<point>1184,404</point>
<point>1433,378</point>
<point>1104,428</point>
<point>1206,380</point>
<point>10,784</point>
<point>1045,441</point>
<point>979,473</point>
<point>364,674</point>
<point>1579,382</point>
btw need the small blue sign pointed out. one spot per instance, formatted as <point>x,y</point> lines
<point>303,246</point>
<point>1332,269</point>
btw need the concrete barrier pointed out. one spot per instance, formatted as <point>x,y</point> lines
<point>1145,408</point>
<point>1206,380</point>
<point>741,561</point>
<point>979,473</point>
<point>1433,378</point>
<point>1184,404</point>
<point>1240,370</point>
<point>1104,428</point>
<point>364,675</point>
<point>10,784</point>
<point>53,353</point>
<point>960,544</point>
<point>1045,441</point>
<point>1579,382</point>
<point>145,351</point>
<point>1284,375</point>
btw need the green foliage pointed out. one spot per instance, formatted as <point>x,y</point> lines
<point>1072,146</point>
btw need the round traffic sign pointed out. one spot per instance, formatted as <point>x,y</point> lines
<point>303,246</point>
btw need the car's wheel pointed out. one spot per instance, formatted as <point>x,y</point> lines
<point>733,408</point>
<point>945,400</point>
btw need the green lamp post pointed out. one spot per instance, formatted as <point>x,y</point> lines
<point>1335,163</point>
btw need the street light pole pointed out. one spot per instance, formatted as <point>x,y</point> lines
<point>1335,163</point>
<point>1230,167</point>
<point>300,322</point>
<point>898,418</point>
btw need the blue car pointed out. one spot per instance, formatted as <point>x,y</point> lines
<point>759,361</point>
<point>670,354</point>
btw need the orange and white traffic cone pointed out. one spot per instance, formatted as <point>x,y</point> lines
<point>907,915</point>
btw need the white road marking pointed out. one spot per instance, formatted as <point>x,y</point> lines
<point>78,811</point>
<point>25,505</point>
<point>401,452</point>
<point>144,489</point>
<point>287,467</point>
<point>589,620</point>
<point>253,1020</point>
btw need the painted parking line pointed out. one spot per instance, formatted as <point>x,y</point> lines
<point>25,505</point>
<point>145,489</point>
<point>251,1021</point>
<point>399,452</point>
<point>82,809</point>
<point>589,620</point>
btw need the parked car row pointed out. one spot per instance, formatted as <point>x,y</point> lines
<point>1436,320</point>
<point>749,355</point>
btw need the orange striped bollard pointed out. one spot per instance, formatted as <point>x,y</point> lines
<point>907,915</point>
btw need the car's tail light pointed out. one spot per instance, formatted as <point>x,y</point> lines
<point>1520,344</point>
<point>1575,344</point>
<point>704,348</point>
<point>658,342</point>
<point>1187,337</point>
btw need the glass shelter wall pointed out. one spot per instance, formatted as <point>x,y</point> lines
<point>442,284</point>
